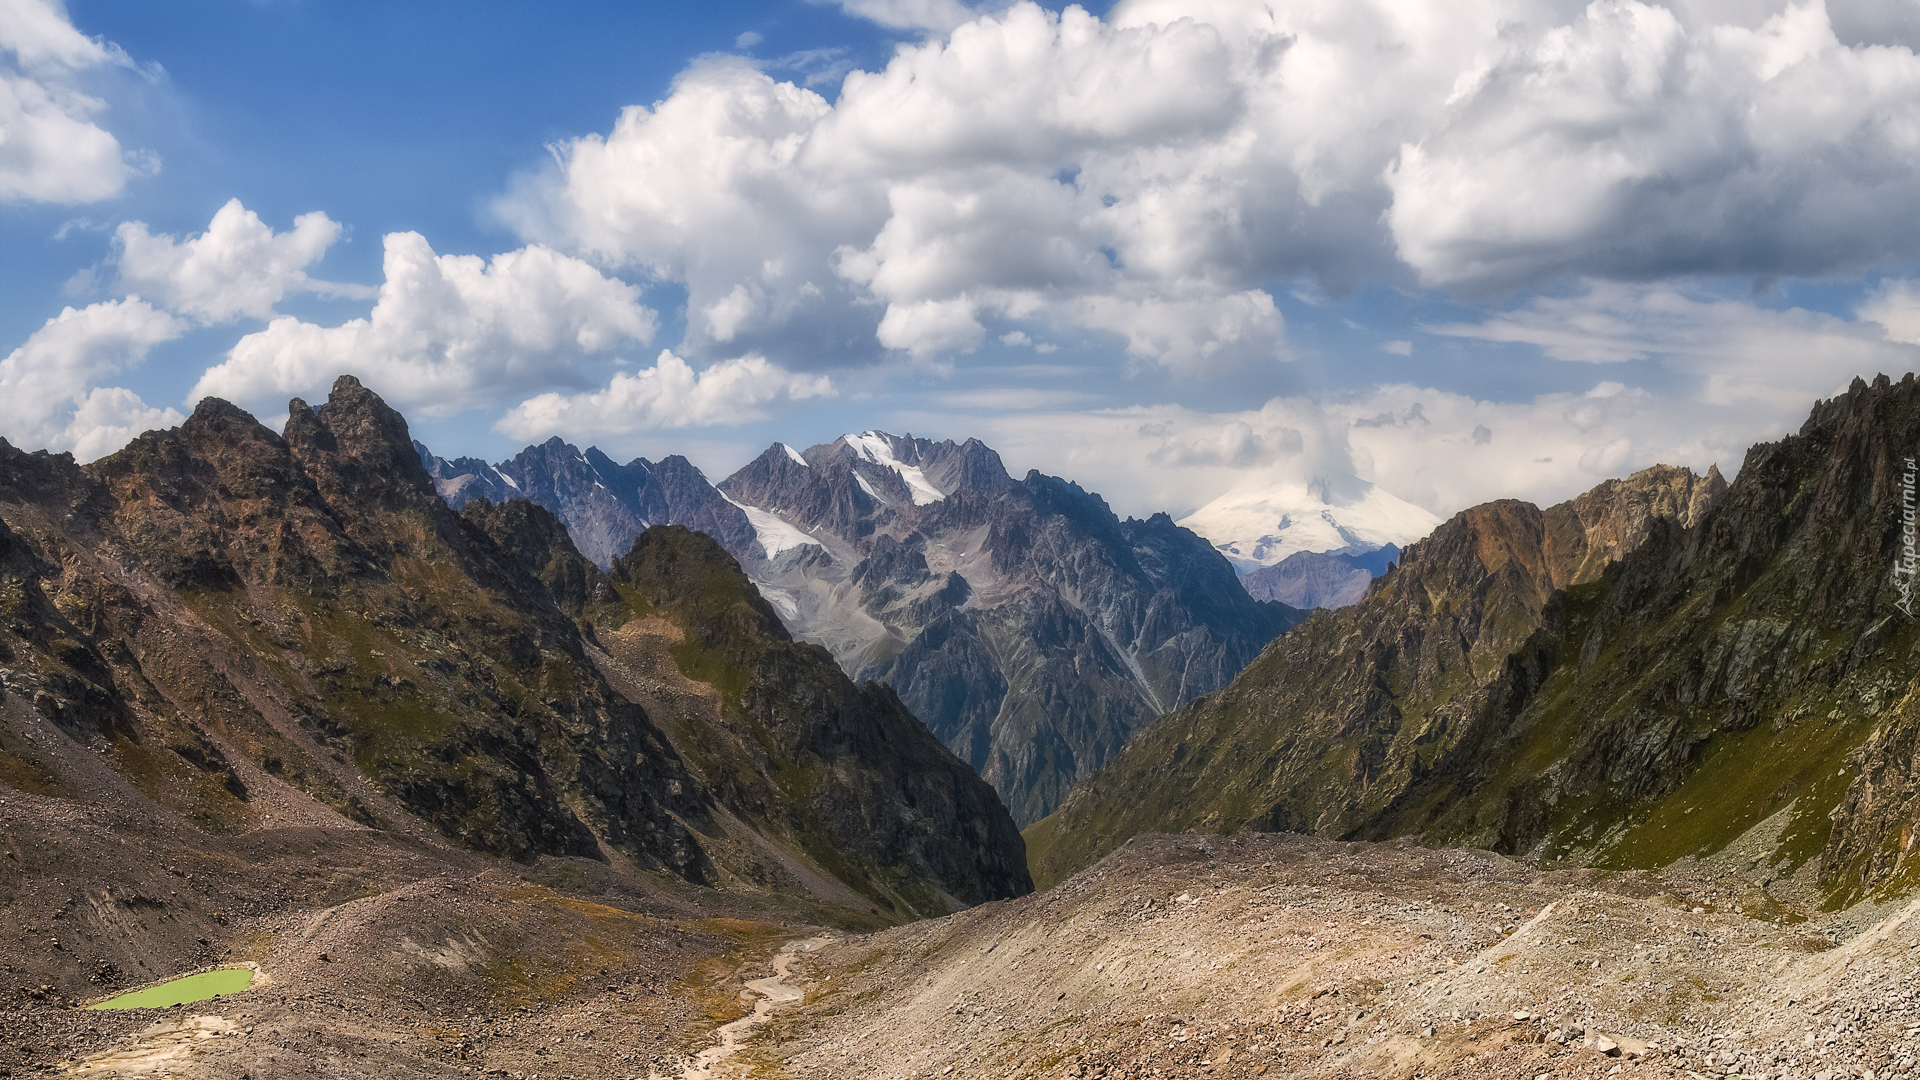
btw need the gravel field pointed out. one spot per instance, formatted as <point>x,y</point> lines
<point>1178,956</point>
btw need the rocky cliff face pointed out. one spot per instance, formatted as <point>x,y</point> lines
<point>246,628</point>
<point>1339,719</point>
<point>1029,627</point>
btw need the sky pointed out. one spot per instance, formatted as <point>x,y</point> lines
<point>1462,250</point>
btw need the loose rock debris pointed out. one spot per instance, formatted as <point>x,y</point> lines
<point>1284,956</point>
<point>1180,956</point>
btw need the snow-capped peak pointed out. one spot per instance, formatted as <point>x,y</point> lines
<point>795,455</point>
<point>1259,524</point>
<point>877,447</point>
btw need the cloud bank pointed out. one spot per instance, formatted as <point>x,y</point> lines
<point>1150,174</point>
<point>671,394</point>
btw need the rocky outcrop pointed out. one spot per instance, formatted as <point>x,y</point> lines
<point>237,627</point>
<point>1333,725</point>
<point>1749,675</point>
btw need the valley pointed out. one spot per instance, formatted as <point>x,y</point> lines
<point>1621,787</point>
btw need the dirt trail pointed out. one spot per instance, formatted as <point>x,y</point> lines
<point>773,993</point>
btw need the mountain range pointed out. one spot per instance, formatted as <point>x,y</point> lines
<point>1021,620</point>
<point>240,629</point>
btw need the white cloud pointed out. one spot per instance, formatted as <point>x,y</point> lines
<point>671,394</point>
<point>110,417</point>
<point>704,189</point>
<point>935,15</point>
<point>1736,373</point>
<point>1176,158</point>
<point>1196,335</point>
<point>448,333</point>
<point>51,150</point>
<point>1440,450</point>
<point>1730,349</point>
<point>1630,144</point>
<point>1895,305</point>
<point>45,400</point>
<point>1398,348</point>
<point>239,266</point>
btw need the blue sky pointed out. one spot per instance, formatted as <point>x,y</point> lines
<point>1464,251</point>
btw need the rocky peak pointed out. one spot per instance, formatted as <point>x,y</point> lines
<point>540,544</point>
<point>1600,526</point>
<point>358,450</point>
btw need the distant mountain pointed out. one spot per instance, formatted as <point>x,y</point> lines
<point>1320,579</point>
<point>605,505</point>
<point>1353,713</point>
<point>1260,523</point>
<point>1029,627</point>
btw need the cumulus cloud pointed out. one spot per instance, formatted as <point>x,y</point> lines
<point>1739,373</point>
<point>1628,144</point>
<point>1150,173</point>
<point>671,394</point>
<point>448,332</point>
<point>51,150</point>
<point>46,397</point>
<point>239,266</point>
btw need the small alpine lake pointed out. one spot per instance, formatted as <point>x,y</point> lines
<point>181,991</point>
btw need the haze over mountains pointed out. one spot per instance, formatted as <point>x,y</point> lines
<point>1028,626</point>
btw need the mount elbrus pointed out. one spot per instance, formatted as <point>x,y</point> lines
<point>488,791</point>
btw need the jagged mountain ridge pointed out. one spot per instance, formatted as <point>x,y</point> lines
<point>1027,625</point>
<point>1339,718</point>
<point>244,628</point>
<point>605,505</point>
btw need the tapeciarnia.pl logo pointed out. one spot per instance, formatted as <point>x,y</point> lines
<point>1909,561</point>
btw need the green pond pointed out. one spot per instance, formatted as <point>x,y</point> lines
<point>181,991</point>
